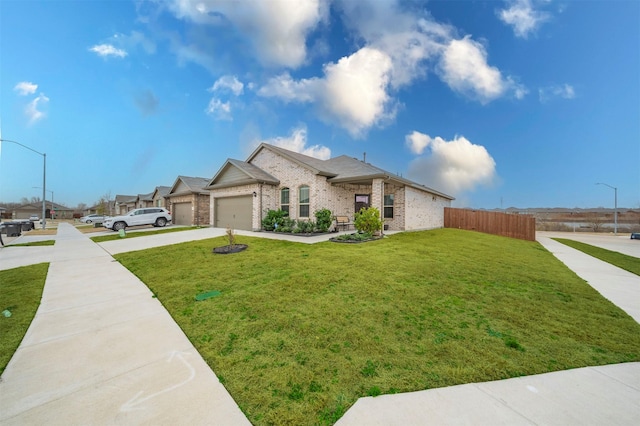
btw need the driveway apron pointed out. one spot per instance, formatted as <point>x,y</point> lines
<point>102,350</point>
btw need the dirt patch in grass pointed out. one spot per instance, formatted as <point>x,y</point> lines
<point>299,332</point>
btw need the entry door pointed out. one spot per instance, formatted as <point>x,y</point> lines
<point>362,201</point>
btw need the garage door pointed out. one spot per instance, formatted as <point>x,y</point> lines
<point>182,214</point>
<point>234,212</point>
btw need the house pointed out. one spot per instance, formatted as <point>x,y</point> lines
<point>275,178</point>
<point>144,200</point>
<point>26,210</point>
<point>159,197</point>
<point>189,201</point>
<point>125,203</point>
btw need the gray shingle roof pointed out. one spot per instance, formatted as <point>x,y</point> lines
<point>193,184</point>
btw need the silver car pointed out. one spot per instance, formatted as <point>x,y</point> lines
<point>155,216</point>
<point>90,218</point>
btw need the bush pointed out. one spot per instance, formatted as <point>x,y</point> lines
<point>368,220</point>
<point>273,218</point>
<point>324,220</point>
<point>286,224</point>
<point>304,227</point>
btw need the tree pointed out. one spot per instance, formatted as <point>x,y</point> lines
<point>81,207</point>
<point>102,206</point>
<point>595,221</point>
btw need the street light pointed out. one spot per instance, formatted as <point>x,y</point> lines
<point>615,207</point>
<point>44,178</point>
<point>48,190</point>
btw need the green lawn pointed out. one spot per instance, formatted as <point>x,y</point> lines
<point>34,244</point>
<point>626,262</point>
<point>20,294</point>
<point>299,332</point>
<point>129,234</point>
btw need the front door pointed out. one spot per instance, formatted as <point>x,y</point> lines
<point>362,201</point>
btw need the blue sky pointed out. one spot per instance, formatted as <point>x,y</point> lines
<point>521,103</point>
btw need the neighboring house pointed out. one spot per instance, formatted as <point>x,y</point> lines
<point>26,210</point>
<point>159,197</point>
<point>275,178</point>
<point>144,200</point>
<point>124,204</point>
<point>189,201</point>
<point>108,208</point>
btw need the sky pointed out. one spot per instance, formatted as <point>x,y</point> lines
<point>516,103</point>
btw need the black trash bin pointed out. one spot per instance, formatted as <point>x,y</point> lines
<point>13,229</point>
<point>28,226</point>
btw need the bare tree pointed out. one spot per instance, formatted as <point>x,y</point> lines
<point>81,207</point>
<point>595,221</point>
<point>102,206</point>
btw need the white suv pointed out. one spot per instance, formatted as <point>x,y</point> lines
<point>155,216</point>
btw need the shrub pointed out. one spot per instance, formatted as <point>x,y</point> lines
<point>304,226</point>
<point>368,220</point>
<point>273,218</point>
<point>323,220</point>
<point>286,224</point>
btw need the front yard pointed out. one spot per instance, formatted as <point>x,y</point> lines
<point>299,332</point>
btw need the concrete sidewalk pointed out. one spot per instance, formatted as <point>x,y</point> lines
<point>102,350</point>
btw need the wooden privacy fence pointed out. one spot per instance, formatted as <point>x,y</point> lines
<point>520,226</point>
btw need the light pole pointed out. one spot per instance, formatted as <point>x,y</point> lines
<point>48,190</point>
<point>615,207</point>
<point>44,178</point>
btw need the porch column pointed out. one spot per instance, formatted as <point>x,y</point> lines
<point>377,195</point>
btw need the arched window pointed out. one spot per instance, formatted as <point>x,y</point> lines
<point>284,200</point>
<point>303,201</point>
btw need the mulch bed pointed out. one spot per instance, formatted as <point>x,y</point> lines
<point>235,248</point>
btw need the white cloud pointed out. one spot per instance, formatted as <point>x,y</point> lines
<point>355,90</point>
<point>285,88</point>
<point>464,68</point>
<point>352,93</point>
<point>26,88</point>
<point>452,166</point>
<point>32,109</point>
<point>228,82</point>
<point>564,91</point>
<point>523,17</point>
<point>297,142</point>
<point>219,110</point>
<point>106,50</point>
<point>277,28</point>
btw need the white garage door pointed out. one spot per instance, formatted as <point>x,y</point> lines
<point>181,214</point>
<point>234,212</point>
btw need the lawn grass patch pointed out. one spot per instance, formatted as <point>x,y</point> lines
<point>115,236</point>
<point>34,244</point>
<point>624,261</point>
<point>299,332</point>
<point>20,294</point>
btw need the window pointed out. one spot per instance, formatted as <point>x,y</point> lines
<point>388,206</point>
<point>284,200</point>
<point>362,202</point>
<point>304,201</point>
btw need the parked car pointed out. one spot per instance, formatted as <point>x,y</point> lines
<point>148,216</point>
<point>34,218</point>
<point>635,236</point>
<point>90,218</point>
